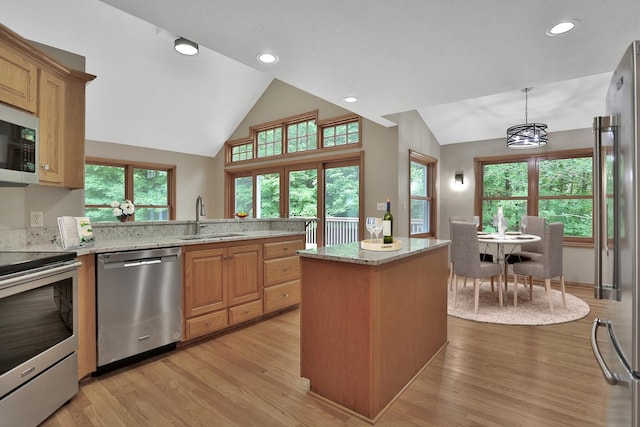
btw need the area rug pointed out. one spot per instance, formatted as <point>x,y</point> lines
<point>527,312</point>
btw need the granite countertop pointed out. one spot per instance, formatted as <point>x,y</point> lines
<point>352,253</point>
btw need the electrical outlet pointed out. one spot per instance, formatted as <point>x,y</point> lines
<point>36,219</point>
<point>382,206</point>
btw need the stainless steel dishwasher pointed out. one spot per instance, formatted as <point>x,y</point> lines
<point>139,302</point>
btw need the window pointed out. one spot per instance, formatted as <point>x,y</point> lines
<point>556,186</point>
<point>421,194</point>
<point>295,136</point>
<point>328,189</point>
<point>150,187</point>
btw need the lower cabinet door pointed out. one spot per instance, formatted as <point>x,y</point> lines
<point>281,296</point>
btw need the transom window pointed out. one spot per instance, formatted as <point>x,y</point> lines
<point>150,187</point>
<point>557,186</point>
<point>294,136</point>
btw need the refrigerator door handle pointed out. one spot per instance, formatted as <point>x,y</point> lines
<point>610,376</point>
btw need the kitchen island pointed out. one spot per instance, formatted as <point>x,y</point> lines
<point>371,321</point>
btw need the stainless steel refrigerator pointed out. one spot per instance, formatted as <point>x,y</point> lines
<point>615,339</point>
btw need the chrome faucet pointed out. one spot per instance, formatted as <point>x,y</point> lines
<point>200,210</point>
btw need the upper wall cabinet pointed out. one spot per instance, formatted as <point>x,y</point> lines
<point>35,82</point>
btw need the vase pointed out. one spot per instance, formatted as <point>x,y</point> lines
<point>123,218</point>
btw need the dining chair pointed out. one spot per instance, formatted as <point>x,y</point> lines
<point>483,256</point>
<point>467,263</point>
<point>536,225</point>
<point>547,267</point>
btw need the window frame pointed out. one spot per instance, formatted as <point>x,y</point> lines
<point>128,182</point>
<point>284,124</point>
<point>431,165</point>
<point>533,198</point>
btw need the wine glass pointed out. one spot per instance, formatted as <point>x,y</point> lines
<point>370,222</point>
<point>523,224</point>
<point>377,227</point>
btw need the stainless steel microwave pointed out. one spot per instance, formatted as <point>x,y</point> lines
<point>19,136</point>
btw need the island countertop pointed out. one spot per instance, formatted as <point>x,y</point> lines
<point>353,253</point>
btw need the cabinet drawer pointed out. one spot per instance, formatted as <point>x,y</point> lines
<point>282,249</point>
<point>281,270</point>
<point>281,296</point>
<point>241,313</point>
<point>205,324</point>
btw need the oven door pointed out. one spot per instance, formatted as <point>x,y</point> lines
<point>38,322</point>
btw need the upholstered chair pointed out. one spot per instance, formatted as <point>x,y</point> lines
<point>467,263</point>
<point>547,267</point>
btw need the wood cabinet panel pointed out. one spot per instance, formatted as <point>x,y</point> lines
<point>18,79</point>
<point>243,312</point>
<point>52,128</point>
<point>281,270</point>
<point>282,249</point>
<point>244,272</point>
<point>86,316</point>
<point>280,296</point>
<point>205,324</point>
<point>204,281</point>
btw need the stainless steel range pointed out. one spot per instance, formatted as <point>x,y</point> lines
<point>38,335</point>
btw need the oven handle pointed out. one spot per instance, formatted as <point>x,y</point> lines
<point>42,272</point>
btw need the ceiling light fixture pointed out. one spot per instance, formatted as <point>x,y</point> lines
<point>562,27</point>
<point>185,47</point>
<point>267,58</point>
<point>528,135</point>
<point>350,99</point>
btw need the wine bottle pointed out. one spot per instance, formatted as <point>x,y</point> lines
<point>387,225</point>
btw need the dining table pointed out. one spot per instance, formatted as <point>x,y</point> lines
<point>508,238</point>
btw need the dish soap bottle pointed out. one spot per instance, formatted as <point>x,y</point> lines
<point>387,225</point>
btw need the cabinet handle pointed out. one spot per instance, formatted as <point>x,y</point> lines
<point>285,269</point>
<point>286,248</point>
<point>207,323</point>
<point>286,295</point>
<point>246,312</point>
<point>45,167</point>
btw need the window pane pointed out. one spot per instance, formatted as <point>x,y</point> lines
<point>303,193</point>
<point>342,205</point>
<point>505,180</point>
<point>576,214</point>
<point>100,214</point>
<point>244,195</point>
<point>268,193</point>
<point>103,185</point>
<point>418,180</point>
<point>152,214</point>
<point>420,216</point>
<point>150,187</point>
<point>566,177</point>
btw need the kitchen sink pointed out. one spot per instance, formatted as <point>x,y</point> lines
<point>210,236</point>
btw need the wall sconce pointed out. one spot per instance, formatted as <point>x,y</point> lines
<point>459,179</point>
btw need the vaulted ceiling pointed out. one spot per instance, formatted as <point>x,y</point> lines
<point>460,63</point>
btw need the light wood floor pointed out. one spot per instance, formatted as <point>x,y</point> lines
<point>488,375</point>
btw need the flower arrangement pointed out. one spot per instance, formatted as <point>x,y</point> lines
<point>123,210</point>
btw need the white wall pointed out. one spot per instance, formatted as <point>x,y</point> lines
<point>459,157</point>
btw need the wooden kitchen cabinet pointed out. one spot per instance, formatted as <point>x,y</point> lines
<point>18,78</point>
<point>282,274</point>
<point>34,81</point>
<point>51,103</point>
<point>216,277</point>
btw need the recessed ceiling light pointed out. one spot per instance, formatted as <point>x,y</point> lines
<point>350,99</point>
<point>562,27</point>
<point>185,47</point>
<point>267,58</point>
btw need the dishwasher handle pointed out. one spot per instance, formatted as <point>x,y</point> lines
<point>138,263</point>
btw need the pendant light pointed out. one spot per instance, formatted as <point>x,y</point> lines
<point>528,135</point>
